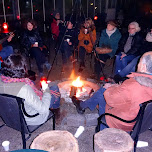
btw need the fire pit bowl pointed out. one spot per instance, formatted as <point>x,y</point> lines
<point>65,89</point>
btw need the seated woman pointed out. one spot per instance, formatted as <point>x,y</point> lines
<point>32,41</point>
<point>109,38</point>
<point>87,38</point>
<point>14,78</point>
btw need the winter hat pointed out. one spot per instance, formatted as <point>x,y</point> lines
<point>112,22</point>
<point>55,12</point>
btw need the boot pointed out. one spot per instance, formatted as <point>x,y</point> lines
<point>59,115</point>
<point>77,102</point>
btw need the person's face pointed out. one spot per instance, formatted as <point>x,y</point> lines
<point>70,25</point>
<point>57,16</point>
<point>131,29</point>
<point>29,26</point>
<point>110,27</point>
<point>86,25</point>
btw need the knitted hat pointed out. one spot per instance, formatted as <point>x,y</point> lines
<point>113,22</point>
<point>55,12</point>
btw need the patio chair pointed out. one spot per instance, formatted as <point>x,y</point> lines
<point>12,112</point>
<point>143,121</point>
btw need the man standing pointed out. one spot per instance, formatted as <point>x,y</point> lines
<point>123,99</point>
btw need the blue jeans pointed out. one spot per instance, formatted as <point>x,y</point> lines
<point>121,64</point>
<point>96,99</point>
<point>66,51</point>
<point>131,67</point>
<point>6,51</point>
<point>55,100</point>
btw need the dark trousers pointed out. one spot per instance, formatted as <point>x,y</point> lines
<point>82,52</point>
<point>39,57</point>
<point>98,66</point>
<point>66,51</point>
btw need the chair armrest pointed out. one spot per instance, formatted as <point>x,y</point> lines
<point>145,103</point>
<point>25,113</point>
<point>127,121</point>
<point>141,110</point>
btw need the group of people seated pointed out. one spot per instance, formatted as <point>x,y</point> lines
<point>121,99</point>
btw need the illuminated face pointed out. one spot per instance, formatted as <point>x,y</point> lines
<point>57,16</point>
<point>110,27</point>
<point>70,25</point>
<point>131,29</point>
<point>29,26</point>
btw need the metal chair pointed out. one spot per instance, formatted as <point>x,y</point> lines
<point>143,121</point>
<point>12,112</point>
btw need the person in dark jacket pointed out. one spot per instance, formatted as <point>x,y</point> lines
<point>109,38</point>
<point>32,41</point>
<point>129,47</point>
<point>67,46</point>
<point>131,67</point>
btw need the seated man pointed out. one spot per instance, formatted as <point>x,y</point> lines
<point>5,48</point>
<point>123,99</point>
<point>129,46</point>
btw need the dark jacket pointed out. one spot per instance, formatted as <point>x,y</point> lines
<point>111,41</point>
<point>135,45</point>
<point>5,42</point>
<point>30,37</point>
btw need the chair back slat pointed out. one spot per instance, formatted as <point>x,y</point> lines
<point>11,112</point>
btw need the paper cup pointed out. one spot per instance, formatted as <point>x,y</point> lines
<point>79,131</point>
<point>85,31</point>
<point>68,40</point>
<point>5,144</point>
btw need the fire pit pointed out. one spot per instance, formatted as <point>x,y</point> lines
<point>80,88</point>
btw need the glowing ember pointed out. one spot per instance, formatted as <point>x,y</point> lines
<point>77,82</point>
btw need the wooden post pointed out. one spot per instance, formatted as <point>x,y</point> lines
<point>111,140</point>
<point>56,141</point>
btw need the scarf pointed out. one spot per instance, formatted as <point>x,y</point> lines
<point>109,33</point>
<point>30,83</point>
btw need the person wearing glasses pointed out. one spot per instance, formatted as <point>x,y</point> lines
<point>129,46</point>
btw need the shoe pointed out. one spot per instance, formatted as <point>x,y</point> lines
<point>48,66</point>
<point>77,102</point>
<point>80,69</point>
<point>41,74</point>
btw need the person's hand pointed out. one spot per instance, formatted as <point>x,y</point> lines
<point>35,44</point>
<point>122,56</point>
<point>70,43</point>
<point>10,37</point>
<point>44,85</point>
<point>58,22</point>
<point>108,85</point>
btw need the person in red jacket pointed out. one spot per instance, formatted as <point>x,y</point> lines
<point>55,25</point>
<point>123,99</point>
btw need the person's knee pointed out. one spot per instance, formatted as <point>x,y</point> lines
<point>54,87</point>
<point>9,49</point>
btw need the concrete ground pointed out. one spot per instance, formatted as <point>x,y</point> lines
<point>85,141</point>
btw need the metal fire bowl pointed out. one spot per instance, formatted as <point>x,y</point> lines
<point>65,88</point>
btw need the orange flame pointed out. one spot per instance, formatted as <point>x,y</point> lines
<point>77,82</point>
